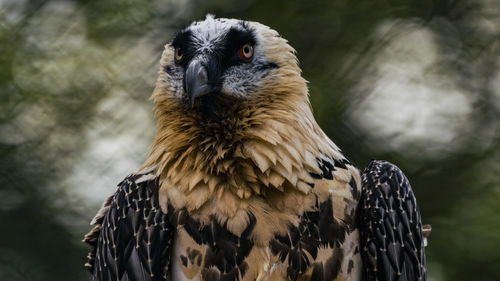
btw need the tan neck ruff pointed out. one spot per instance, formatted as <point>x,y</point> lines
<point>267,144</point>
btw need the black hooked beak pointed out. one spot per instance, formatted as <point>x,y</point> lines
<point>196,81</point>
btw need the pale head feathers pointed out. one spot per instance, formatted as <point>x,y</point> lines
<point>264,146</point>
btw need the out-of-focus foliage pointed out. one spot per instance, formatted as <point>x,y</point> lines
<point>416,82</point>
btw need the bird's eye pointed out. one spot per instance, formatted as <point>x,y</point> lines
<point>178,54</point>
<point>246,51</point>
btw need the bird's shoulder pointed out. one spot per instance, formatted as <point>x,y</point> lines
<point>392,242</point>
<point>128,231</point>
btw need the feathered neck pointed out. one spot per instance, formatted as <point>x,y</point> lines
<point>266,144</point>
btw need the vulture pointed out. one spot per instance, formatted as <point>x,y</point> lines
<point>242,184</point>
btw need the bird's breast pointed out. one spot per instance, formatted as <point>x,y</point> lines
<point>296,232</point>
<point>190,259</point>
<point>311,246</point>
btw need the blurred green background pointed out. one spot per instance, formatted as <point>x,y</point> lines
<point>416,82</point>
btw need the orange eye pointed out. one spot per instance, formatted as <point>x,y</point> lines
<point>178,54</point>
<point>246,51</point>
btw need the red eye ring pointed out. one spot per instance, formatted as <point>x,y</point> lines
<point>246,51</point>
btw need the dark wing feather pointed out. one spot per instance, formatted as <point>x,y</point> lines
<point>392,245</point>
<point>132,236</point>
